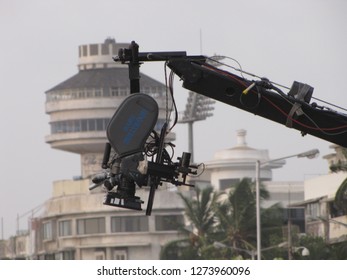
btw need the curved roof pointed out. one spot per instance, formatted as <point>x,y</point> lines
<point>104,77</point>
<point>241,155</point>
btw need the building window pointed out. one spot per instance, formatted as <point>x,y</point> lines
<point>104,49</point>
<point>79,93</point>
<point>68,255</point>
<point>120,254</point>
<point>98,92</point>
<point>120,91</point>
<point>93,49</point>
<point>49,257</point>
<point>84,125</point>
<point>65,228</point>
<point>155,92</point>
<point>89,93</point>
<point>313,210</point>
<point>100,125</point>
<point>100,255</point>
<point>91,125</point>
<point>91,226</point>
<point>70,126</point>
<point>129,224</point>
<point>64,255</point>
<point>85,50</point>
<point>48,231</point>
<point>124,91</point>
<point>146,90</point>
<point>168,222</point>
<point>114,91</point>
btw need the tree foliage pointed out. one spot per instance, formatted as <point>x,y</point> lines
<point>319,249</point>
<point>229,220</point>
<point>341,197</point>
<point>226,218</point>
<point>196,240</point>
<point>340,201</point>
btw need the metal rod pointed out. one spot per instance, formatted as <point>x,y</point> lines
<point>191,141</point>
<point>257,193</point>
<point>2,228</point>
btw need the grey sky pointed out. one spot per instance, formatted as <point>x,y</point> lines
<point>303,40</point>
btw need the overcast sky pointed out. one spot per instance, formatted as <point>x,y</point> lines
<point>303,40</point>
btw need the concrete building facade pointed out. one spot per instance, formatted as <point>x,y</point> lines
<point>76,225</point>
<point>323,218</point>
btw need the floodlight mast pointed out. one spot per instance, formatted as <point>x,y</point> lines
<point>198,108</point>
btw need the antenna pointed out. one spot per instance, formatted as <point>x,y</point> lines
<point>200,41</point>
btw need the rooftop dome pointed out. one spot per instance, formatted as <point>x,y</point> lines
<point>239,162</point>
<point>241,152</point>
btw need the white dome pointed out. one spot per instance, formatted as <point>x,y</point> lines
<point>241,152</point>
<point>239,162</point>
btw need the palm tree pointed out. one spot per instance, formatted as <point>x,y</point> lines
<point>197,237</point>
<point>340,201</point>
<point>341,163</point>
<point>341,197</point>
<point>237,219</point>
<point>229,220</point>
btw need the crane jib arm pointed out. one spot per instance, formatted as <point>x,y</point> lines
<point>134,121</point>
<point>288,110</point>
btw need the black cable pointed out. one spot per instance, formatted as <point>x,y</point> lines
<point>315,98</point>
<point>322,130</point>
<point>273,83</point>
<point>256,104</point>
<point>169,91</point>
<point>201,172</point>
<point>171,79</point>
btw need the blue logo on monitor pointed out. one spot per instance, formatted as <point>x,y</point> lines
<point>133,124</point>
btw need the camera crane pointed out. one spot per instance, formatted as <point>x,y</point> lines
<point>133,122</point>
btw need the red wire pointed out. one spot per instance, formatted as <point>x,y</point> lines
<point>235,78</point>
<point>300,123</point>
<point>225,73</point>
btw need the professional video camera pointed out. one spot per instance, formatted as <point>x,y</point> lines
<point>132,137</point>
